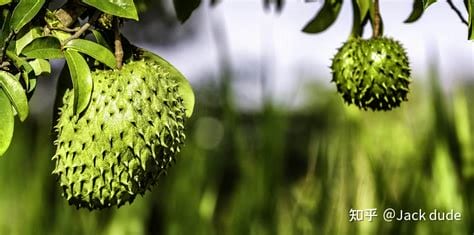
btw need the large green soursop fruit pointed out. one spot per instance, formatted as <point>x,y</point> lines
<point>126,138</point>
<point>372,74</point>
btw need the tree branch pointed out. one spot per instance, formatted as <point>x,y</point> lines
<point>458,12</point>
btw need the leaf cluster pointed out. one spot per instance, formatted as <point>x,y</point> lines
<point>85,33</point>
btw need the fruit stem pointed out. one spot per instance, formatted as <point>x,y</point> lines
<point>377,20</point>
<point>118,44</point>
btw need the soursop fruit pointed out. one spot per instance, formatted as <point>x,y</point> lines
<point>127,137</point>
<point>372,74</point>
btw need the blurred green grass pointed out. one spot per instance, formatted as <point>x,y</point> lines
<point>274,171</point>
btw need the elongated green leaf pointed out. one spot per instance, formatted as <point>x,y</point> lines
<point>99,38</point>
<point>93,50</point>
<point>184,87</point>
<point>419,6</point>
<point>24,12</point>
<point>184,8</point>
<point>6,122</point>
<point>121,8</point>
<point>15,92</point>
<point>81,79</point>
<point>357,27</point>
<point>27,38</point>
<point>44,48</point>
<point>40,67</point>
<point>4,2</point>
<point>470,10</point>
<point>325,17</point>
<point>364,6</point>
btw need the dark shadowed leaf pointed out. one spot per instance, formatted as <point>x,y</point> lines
<point>93,50</point>
<point>44,48</point>
<point>121,8</point>
<point>184,8</point>
<point>325,17</point>
<point>24,12</point>
<point>15,92</point>
<point>81,79</point>
<point>6,122</point>
<point>419,6</point>
<point>99,38</point>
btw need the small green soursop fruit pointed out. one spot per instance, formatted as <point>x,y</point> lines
<point>372,74</point>
<point>126,138</point>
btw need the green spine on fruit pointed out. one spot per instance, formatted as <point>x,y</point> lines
<point>372,74</point>
<point>127,137</point>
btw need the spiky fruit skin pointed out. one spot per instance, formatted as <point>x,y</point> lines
<point>372,74</point>
<point>126,138</point>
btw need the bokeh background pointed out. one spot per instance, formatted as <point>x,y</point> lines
<point>271,148</point>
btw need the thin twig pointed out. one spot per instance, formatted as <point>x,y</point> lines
<point>377,20</point>
<point>458,12</point>
<point>5,45</point>
<point>65,29</point>
<point>83,28</point>
<point>118,44</point>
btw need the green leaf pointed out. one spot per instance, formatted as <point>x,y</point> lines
<point>93,50</point>
<point>121,8</point>
<point>44,48</point>
<point>32,84</point>
<point>19,62</point>
<point>184,8</point>
<point>357,27</point>
<point>364,6</point>
<point>27,38</point>
<point>99,38</point>
<point>470,10</point>
<point>6,122</point>
<point>325,17</point>
<point>40,67</point>
<point>24,12</point>
<point>81,79</point>
<point>419,6</point>
<point>4,2</point>
<point>15,92</point>
<point>184,87</point>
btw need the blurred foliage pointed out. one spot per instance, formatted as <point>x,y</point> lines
<point>274,171</point>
